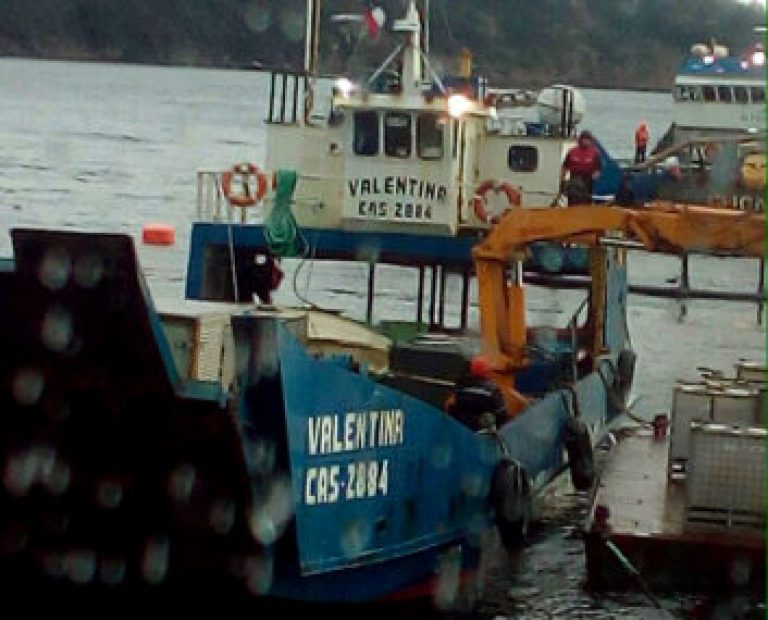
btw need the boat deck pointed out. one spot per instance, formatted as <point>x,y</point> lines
<point>647,522</point>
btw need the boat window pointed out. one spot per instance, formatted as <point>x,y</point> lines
<point>429,134</point>
<point>724,94</point>
<point>397,134</point>
<point>366,133</point>
<point>740,94</point>
<point>523,158</point>
<point>709,93</point>
<point>688,93</point>
<point>758,94</point>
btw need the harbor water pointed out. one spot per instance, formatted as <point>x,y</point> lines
<point>105,147</point>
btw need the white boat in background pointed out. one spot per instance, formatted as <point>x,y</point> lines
<point>718,94</point>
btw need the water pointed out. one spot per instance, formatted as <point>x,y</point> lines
<point>111,147</point>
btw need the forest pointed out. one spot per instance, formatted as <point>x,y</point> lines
<point>607,43</point>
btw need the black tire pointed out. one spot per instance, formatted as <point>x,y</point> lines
<point>625,371</point>
<point>581,459</point>
<point>511,495</point>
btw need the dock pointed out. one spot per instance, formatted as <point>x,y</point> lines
<point>650,525</point>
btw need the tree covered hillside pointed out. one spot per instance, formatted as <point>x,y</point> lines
<point>623,43</point>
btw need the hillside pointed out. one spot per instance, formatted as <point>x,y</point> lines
<point>622,43</point>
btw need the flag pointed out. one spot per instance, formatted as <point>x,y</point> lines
<point>374,20</point>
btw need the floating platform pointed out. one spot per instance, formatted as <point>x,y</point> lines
<point>651,524</point>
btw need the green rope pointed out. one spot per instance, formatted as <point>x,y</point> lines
<point>280,228</point>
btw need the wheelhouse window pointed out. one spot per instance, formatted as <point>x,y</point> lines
<point>523,158</point>
<point>740,94</point>
<point>758,94</point>
<point>397,134</point>
<point>429,136</point>
<point>709,93</point>
<point>687,93</point>
<point>724,94</point>
<point>366,139</point>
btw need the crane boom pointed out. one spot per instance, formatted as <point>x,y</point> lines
<point>661,227</point>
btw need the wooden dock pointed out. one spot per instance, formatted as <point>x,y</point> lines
<point>647,523</point>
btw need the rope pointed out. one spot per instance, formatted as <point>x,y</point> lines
<point>281,231</point>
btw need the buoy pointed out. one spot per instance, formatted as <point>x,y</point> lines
<point>158,234</point>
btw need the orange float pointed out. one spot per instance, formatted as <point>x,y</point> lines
<point>158,234</point>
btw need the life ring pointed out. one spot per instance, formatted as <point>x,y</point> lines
<point>245,171</point>
<point>479,204</point>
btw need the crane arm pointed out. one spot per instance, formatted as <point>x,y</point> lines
<point>662,227</point>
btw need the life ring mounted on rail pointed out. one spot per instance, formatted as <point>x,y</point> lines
<point>480,204</point>
<point>245,172</point>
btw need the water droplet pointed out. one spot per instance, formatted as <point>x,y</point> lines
<point>355,537</point>
<point>268,521</point>
<point>446,588</point>
<point>181,482</point>
<point>109,493</point>
<point>55,269</point>
<point>112,571</point>
<point>154,563</point>
<point>222,516</point>
<point>89,270</point>
<point>56,332</point>
<point>441,455</point>
<point>28,384</point>
<point>20,473</point>
<point>58,481</point>
<point>257,16</point>
<point>80,566</point>
<point>259,574</point>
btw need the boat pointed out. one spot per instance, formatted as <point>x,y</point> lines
<point>718,94</point>
<point>293,453</point>
<point>695,519</point>
<point>287,453</point>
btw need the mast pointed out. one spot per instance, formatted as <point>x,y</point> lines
<point>311,53</point>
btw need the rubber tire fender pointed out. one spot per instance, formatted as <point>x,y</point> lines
<point>625,374</point>
<point>581,458</point>
<point>511,497</point>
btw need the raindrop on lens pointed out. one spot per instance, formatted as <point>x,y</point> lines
<point>109,493</point>
<point>258,574</point>
<point>222,516</point>
<point>20,473</point>
<point>181,482</point>
<point>112,571</point>
<point>56,332</point>
<point>28,384</point>
<point>81,566</point>
<point>55,269</point>
<point>354,537</point>
<point>88,271</point>
<point>154,564</point>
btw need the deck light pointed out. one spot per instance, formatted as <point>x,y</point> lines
<point>758,58</point>
<point>458,105</point>
<point>344,87</point>
<point>709,59</point>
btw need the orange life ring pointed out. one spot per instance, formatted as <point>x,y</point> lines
<point>245,171</point>
<point>479,204</point>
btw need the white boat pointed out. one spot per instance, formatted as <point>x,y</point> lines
<point>718,94</point>
<point>406,151</point>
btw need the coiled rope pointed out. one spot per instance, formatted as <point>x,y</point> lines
<point>281,231</point>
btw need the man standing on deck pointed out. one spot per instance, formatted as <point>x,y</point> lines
<point>641,142</point>
<point>478,402</point>
<point>583,165</point>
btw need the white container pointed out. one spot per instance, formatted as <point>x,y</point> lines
<point>725,481</point>
<point>691,402</point>
<point>751,371</point>
<point>735,406</point>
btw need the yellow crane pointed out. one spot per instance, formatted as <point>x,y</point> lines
<point>660,227</point>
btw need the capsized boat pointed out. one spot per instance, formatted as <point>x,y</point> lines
<point>254,449</point>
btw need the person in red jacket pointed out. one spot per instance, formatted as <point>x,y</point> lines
<point>582,166</point>
<point>641,142</point>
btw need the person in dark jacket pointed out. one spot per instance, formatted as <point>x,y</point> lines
<point>478,402</point>
<point>583,165</point>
